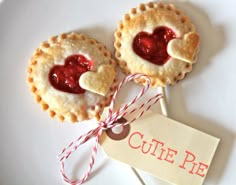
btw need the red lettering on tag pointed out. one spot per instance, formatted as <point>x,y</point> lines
<point>197,168</point>
<point>131,136</point>
<point>201,168</point>
<point>170,154</point>
<point>156,145</point>
<point>190,157</point>
<point>155,148</point>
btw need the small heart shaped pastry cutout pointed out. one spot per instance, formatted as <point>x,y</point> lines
<point>99,81</point>
<point>185,48</point>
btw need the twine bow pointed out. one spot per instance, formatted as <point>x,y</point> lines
<point>108,123</point>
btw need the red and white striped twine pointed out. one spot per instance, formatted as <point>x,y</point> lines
<point>110,122</point>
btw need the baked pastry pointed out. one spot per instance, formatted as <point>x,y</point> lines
<point>158,40</point>
<point>72,76</point>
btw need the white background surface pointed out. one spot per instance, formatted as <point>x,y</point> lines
<point>30,140</point>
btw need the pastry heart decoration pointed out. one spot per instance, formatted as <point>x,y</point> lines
<point>99,81</point>
<point>184,48</point>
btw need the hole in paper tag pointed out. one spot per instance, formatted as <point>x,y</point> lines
<point>117,130</point>
<point>119,133</point>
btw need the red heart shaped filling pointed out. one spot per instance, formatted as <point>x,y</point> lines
<point>66,77</point>
<point>153,47</point>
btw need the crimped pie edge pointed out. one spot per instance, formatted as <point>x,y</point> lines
<point>82,113</point>
<point>158,79</point>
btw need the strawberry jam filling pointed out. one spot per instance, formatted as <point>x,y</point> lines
<point>66,77</point>
<point>153,47</point>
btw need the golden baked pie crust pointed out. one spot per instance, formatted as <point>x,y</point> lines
<point>146,18</point>
<point>61,105</point>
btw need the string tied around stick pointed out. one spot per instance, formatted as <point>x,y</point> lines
<point>108,123</point>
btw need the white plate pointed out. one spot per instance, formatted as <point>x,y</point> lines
<point>30,140</point>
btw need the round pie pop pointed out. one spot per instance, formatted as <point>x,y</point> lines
<point>158,40</point>
<point>72,76</point>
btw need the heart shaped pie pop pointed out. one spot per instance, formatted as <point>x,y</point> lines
<point>72,76</point>
<point>158,40</point>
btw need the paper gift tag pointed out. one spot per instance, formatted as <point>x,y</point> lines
<point>163,147</point>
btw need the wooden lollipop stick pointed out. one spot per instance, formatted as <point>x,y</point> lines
<point>138,176</point>
<point>163,101</point>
